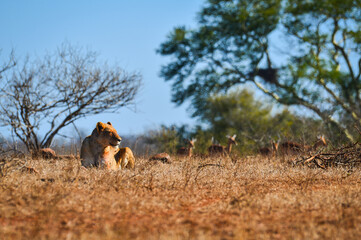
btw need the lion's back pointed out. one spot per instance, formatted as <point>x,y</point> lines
<point>87,152</point>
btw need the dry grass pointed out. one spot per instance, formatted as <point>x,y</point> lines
<point>254,198</point>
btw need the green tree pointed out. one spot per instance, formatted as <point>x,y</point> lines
<point>237,113</point>
<point>165,139</point>
<point>304,53</point>
<point>254,122</point>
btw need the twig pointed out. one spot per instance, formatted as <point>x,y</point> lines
<point>210,165</point>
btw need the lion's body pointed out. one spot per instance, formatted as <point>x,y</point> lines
<point>125,158</point>
<point>99,148</point>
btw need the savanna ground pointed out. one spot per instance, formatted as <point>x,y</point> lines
<point>253,198</point>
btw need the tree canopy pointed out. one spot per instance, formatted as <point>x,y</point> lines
<point>303,53</point>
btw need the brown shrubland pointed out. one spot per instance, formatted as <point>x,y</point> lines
<point>192,198</point>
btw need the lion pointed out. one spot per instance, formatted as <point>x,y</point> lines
<point>100,147</point>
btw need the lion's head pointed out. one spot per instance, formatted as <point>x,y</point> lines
<point>106,135</point>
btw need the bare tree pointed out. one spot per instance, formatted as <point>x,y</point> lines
<point>8,64</point>
<point>55,91</point>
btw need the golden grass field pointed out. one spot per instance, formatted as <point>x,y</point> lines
<point>254,198</point>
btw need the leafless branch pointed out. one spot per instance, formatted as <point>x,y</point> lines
<point>9,64</point>
<point>60,89</point>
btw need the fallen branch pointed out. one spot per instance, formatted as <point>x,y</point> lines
<point>344,156</point>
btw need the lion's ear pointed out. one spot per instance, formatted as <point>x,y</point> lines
<point>109,123</point>
<point>100,126</point>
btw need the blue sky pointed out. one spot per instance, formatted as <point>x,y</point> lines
<point>123,32</point>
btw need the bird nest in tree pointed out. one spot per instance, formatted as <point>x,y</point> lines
<point>347,156</point>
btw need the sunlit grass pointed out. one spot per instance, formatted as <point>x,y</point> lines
<point>252,198</point>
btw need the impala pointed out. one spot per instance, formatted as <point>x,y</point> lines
<point>187,151</point>
<point>294,147</point>
<point>219,149</point>
<point>270,150</point>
